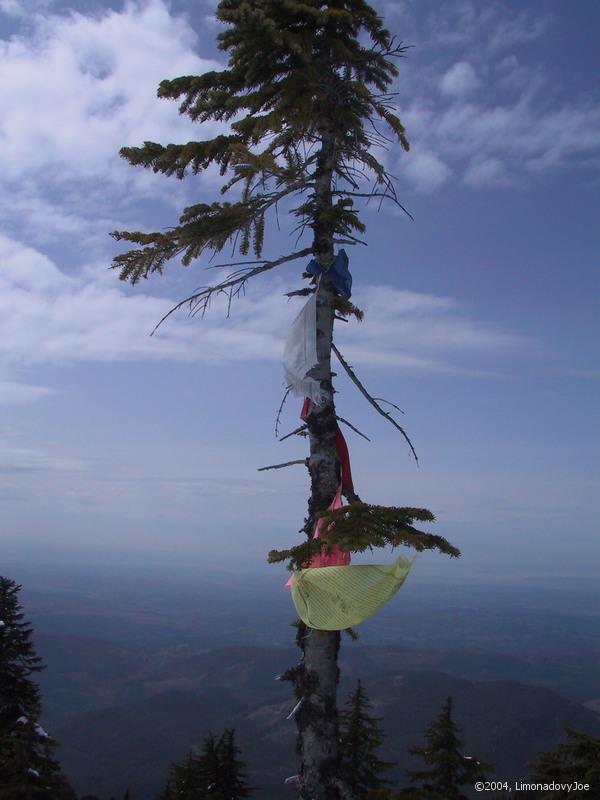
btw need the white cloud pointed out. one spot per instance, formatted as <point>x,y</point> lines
<point>417,331</point>
<point>519,29</point>
<point>425,169</point>
<point>489,27</point>
<point>459,80</point>
<point>484,172</point>
<point>50,317</point>
<point>22,8</point>
<point>15,459</point>
<point>80,87</point>
<point>526,120</point>
<point>75,89</point>
<point>497,144</point>
<point>15,393</point>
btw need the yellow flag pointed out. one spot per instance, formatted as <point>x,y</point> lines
<point>334,598</point>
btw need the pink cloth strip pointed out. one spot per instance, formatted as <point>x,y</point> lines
<point>337,557</point>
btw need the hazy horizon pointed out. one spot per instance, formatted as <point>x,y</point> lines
<point>480,316</point>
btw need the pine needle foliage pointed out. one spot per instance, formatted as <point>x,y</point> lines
<point>360,526</point>
<point>360,738</point>
<point>28,770</point>
<point>449,769</point>
<point>232,778</point>
<point>575,761</point>
<point>216,773</point>
<point>347,309</point>
<point>295,70</point>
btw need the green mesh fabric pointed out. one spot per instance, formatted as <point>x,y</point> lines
<point>334,598</point>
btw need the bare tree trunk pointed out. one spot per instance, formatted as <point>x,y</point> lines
<point>317,717</point>
<point>316,677</point>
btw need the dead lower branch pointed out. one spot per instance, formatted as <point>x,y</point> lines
<point>233,285</point>
<point>300,431</point>
<point>388,403</point>
<point>352,375</point>
<point>301,292</point>
<point>383,195</point>
<point>351,426</point>
<point>278,417</point>
<point>285,464</point>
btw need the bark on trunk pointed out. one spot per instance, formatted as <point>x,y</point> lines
<point>316,677</point>
<point>318,674</point>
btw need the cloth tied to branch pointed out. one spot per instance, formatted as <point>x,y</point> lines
<point>335,598</point>
<point>336,557</point>
<point>331,594</point>
<point>338,273</point>
<point>300,354</point>
<point>341,450</point>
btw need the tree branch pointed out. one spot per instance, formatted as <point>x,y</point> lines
<point>301,292</point>
<point>298,432</point>
<point>349,424</point>
<point>389,403</point>
<point>278,417</point>
<point>235,283</point>
<point>351,374</point>
<point>383,195</point>
<point>285,464</point>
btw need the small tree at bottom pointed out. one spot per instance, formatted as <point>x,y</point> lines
<point>216,773</point>
<point>232,778</point>
<point>28,770</point>
<point>360,737</point>
<point>576,761</point>
<point>449,769</point>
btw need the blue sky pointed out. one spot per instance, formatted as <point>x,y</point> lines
<point>481,315</point>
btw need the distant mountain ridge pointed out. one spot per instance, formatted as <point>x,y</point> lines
<point>142,662</point>
<point>132,744</point>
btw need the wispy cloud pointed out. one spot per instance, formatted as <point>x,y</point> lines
<point>75,88</point>
<point>478,112</point>
<point>15,393</point>
<point>425,333</point>
<point>50,317</point>
<point>22,8</point>
<point>14,460</point>
<point>490,27</point>
<point>460,79</point>
<point>109,67</point>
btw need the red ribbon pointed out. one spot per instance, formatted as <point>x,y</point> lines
<point>341,450</point>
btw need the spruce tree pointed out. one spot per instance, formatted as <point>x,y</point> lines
<point>575,761</point>
<point>360,737</point>
<point>232,783</point>
<point>216,773</point>
<point>196,777</point>
<point>28,770</point>
<point>449,769</point>
<point>306,91</point>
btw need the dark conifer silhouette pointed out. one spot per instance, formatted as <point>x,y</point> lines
<point>27,769</point>
<point>216,773</point>
<point>575,761</point>
<point>360,738</point>
<point>449,770</point>
<point>232,778</point>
